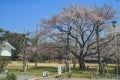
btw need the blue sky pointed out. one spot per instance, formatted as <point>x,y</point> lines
<point>15,15</point>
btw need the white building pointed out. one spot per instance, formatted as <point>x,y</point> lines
<point>6,49</point>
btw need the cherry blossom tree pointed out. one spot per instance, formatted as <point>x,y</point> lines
<point>86,22</point>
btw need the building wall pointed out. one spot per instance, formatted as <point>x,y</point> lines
<point>6,51</point>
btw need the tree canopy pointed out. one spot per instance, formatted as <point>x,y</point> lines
<point>79,24</point>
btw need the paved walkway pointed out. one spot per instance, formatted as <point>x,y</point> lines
<point>22,77</point>
<point>2,76</point>
<point>27,77</point>
<point>34,77</point>
<point>71,79</point>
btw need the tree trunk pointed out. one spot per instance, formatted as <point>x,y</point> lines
<point>82,64</point>
<point>24,65</point>
<point>35,63</point>
<point>100,66</point>
<point>66,65</point>
<point>74,63</point>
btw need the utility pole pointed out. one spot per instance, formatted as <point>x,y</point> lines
<point>98,48</point>
<point>67,51</point>
<point>24,56</point>
<point>24,51</point>
<point>115,44</point>
<point>36,43</point>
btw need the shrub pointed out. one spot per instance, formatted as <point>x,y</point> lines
<point>10,77</point>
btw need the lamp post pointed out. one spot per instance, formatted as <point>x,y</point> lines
<point>115,43</point>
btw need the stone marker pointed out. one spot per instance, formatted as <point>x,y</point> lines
<point>59,69</point>
<point>45,73</point>
<point>6,71</point>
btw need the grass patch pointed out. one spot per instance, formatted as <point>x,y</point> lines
<point>33,70</point>
<point>52,68</point>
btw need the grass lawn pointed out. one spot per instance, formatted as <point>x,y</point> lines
<point>16,68</point>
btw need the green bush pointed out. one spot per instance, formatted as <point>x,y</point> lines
<point>4,60</point>
<point>10,77</point>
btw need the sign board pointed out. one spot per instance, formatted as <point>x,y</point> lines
<point>59,69</point>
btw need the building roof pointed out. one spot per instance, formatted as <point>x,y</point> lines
<point>8,44</point>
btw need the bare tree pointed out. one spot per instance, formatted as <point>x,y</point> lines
<point>38,39</point>
<point>84,21</point>
<point>24,52</point>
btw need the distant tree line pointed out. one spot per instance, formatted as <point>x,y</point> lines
<point>16,39</point>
